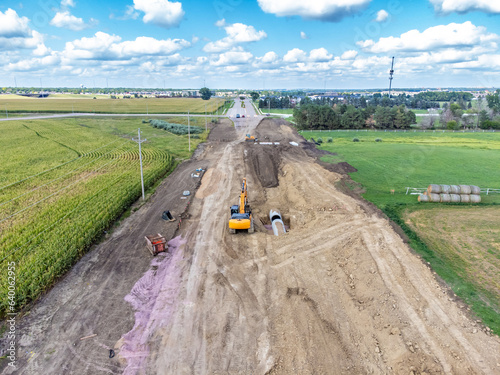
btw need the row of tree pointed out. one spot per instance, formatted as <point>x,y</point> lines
<point>313,116</point>
<point>416,102</point>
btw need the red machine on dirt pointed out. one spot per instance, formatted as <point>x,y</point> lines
<point>156,244</point>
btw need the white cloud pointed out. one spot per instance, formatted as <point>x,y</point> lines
<point>442,36</point>
<point>323,10</point>
<point>42,50</point>
<point>270,57</point>
<point>349,55</point>
<point>303,35</point>
<point>31,41</point>
<point>295,55</point>
<point>465,6</point>
<point>130,14</point>
<point>483,62</point>
<point>232,58</point>
<point>236,33</point>
<point>319,55</point>
<point>103,46</point>
<point>66,20</point>
<point>159,64</point>
<point>13,26</point>
<point>67,3</point>
<point>34,63</point>
<point>160,12</point>
<point>382,16</point>
<point>220,23</point>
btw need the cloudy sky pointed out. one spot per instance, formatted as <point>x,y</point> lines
<point>337,44</point>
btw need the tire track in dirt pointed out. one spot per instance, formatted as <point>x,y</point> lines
<point>337,294</point>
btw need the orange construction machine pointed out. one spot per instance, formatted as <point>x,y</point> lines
<point>241,215</point>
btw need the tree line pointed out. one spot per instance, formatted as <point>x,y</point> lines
<point>314,116</point>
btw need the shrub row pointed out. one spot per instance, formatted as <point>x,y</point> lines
<point>175,128</point>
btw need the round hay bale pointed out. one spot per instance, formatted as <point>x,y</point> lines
<point>423,198</point>
<point>434,197</point>
<point>464,189</point>
<point>476,190</point>
<point>445,189</point>
<point>454,198</point>
<point>475,198</point>
<point>464,198</point>
<point>445,198</point>
<point>454,189</point>
<point>435,189</point>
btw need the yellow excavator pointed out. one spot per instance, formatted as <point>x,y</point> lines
<point>250,138</point>
<point>241,215</point>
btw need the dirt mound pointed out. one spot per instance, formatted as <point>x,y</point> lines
<point>277,130</point>
<point>223,132</point>
<point>340,168</point>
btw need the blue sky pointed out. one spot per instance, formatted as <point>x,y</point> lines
<point>254,44</point>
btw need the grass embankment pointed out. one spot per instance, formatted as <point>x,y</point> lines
<point>89,105</point>
<point>64,182</point>
<point>458,241</point>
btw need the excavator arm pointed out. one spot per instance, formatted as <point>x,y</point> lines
<point>243,196</point>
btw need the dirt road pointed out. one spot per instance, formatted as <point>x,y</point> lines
<point>339,294</point>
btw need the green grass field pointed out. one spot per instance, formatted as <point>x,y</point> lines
<point>63,182</point>
<point>460,247</point>
<point>415,159</point>
<point>105,105</point>
<point>283,111</point>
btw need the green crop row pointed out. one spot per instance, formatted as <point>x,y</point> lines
<point>56,202</point>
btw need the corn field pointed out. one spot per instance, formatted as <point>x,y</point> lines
<point>61,187</point>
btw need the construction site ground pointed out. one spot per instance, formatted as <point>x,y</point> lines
<point>340,293</point>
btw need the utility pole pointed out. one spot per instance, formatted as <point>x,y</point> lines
<point>189,134</point>
<point>140,159</point>
<point>206,128</point>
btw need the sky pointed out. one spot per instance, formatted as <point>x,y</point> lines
<point>250,44</point>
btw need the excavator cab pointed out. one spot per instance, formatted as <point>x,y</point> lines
<point>241,215</point>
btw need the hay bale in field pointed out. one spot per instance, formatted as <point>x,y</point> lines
<point>434,197</point>
<point>445,189</point>
<point>464,198</point>
<point>475,198</point>
<point>423,198</point>
<point>445,198</point>
<point>454,189</point>
<point>455,198</point>
<point>464,189</point>
<point>476,190</point>
<point>435,189</point>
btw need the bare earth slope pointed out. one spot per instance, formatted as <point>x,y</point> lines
<point>339,294</point>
